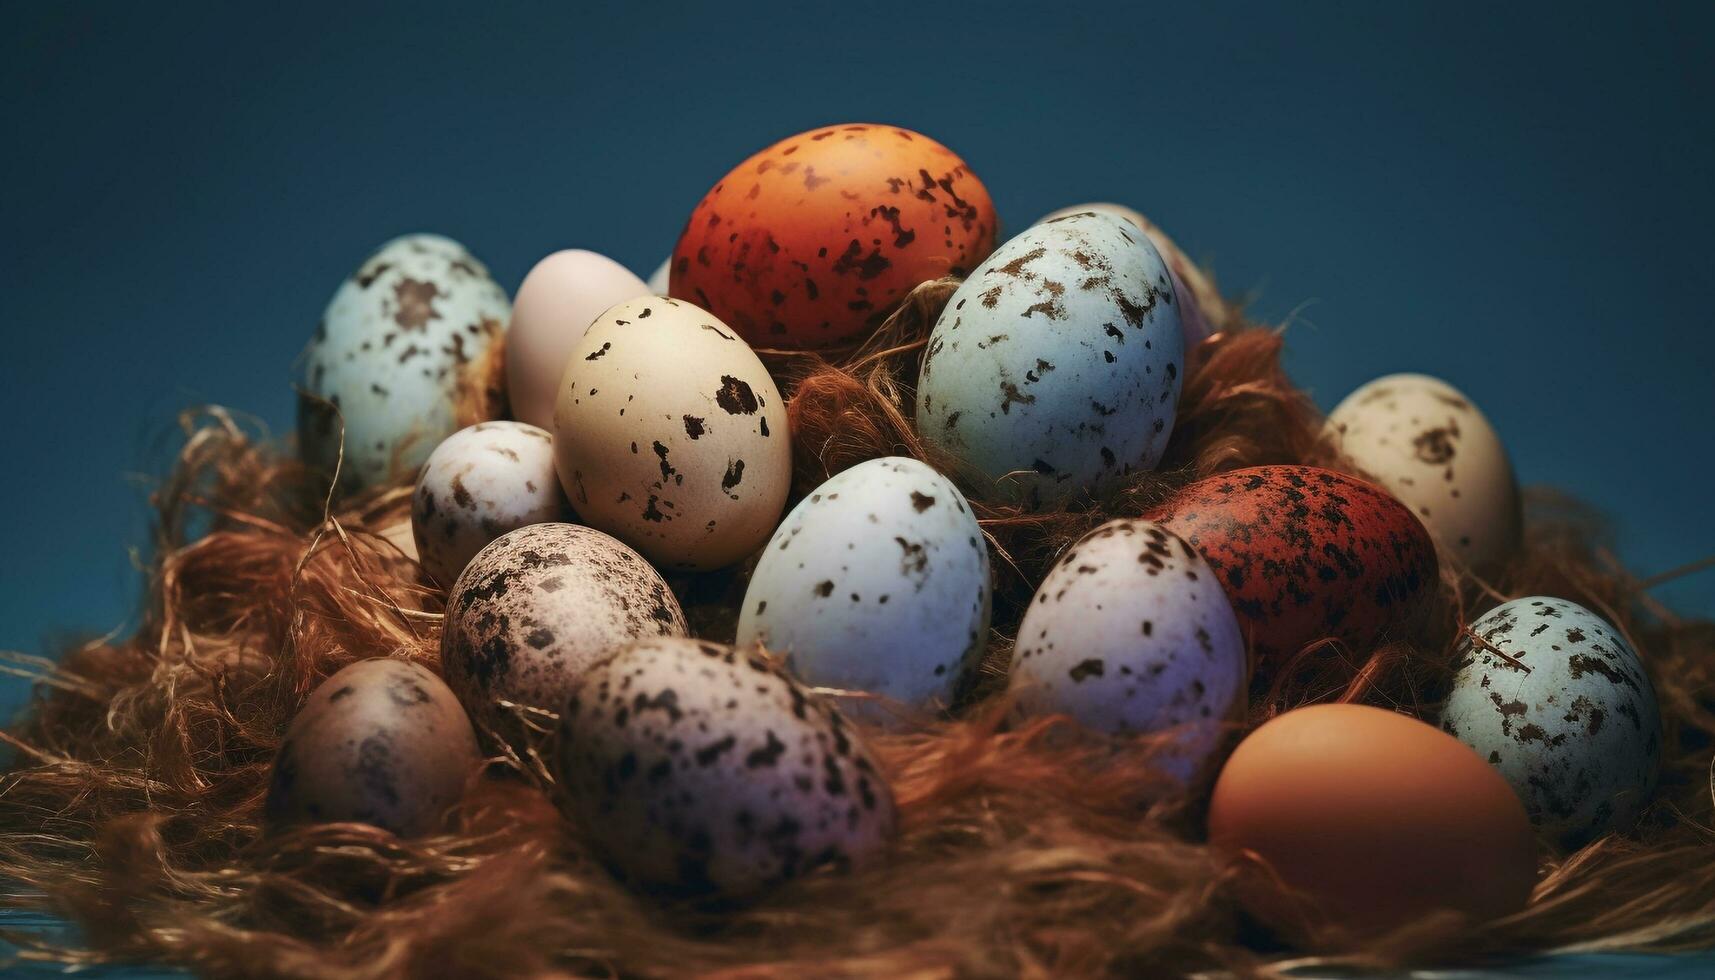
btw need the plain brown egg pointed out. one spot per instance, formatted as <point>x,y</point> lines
<point>1376,818</point>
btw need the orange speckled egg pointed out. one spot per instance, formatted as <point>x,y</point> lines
<point>1374,819</point>
<point>816,238</point>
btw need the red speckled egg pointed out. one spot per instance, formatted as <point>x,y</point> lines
<point>815,239</point>
<point>1306,553</point>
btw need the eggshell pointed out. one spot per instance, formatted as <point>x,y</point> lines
<point>1131,633</point>
<point>1201,306</point>
<point>878,581</point>
<point>815,239</point>
<point>1305,554</point>
<point>694,768</point>
<point>1558,702</point>
<point>1427,443</point>
<point>1377,819</point>
<point>671,436</point>
<point>556,303</point>
<point>658,280</point>
<point>380,742</point>
<point>389,355</point>
<point>401,536</point>
<point>536,607</point>
<point>479,483</point>
<point>1055,368</point>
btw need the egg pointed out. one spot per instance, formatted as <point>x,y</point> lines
<point>1305,554</point>
<point>1557,701</point>
<point>814,240</point>
<point>1378,819</point>
<point>1130,633</point>
<point>556,303</point>
<point>658,280</point>
<point>878,581</point>
<point>536,607</point>
<point>479,483</point>
<point>1427,443</point>
<point>1200,303</point>
<point>671,436</point>
<point>1055,368</point>
<point>400,536</point>
<point>381,742</point>
<point>691,767</point>
<point>413,323</point>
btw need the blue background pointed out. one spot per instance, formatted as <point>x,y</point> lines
<point>1518,200</point>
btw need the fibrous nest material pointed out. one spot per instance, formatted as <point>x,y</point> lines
<point>134,802</point>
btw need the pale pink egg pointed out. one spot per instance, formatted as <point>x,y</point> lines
<point>558,301</point>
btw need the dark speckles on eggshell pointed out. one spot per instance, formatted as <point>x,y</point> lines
<point>748,781</point>
<point>1306,554</point>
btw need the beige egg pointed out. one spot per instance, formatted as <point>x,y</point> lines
<point>382,742</point>
<point>536,607</point>
<point>1205,311</point>
<point>670,435</point>
<point>556,303</point>
<point>1434,450</point>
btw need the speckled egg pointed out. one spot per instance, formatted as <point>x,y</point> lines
<point>878,582</point>
<point>1055,368</point>
<point>380,742</point>
<point>411,325</point>
<point>1201,307</point>
<point>1131,633</point>
<point>1305,554</point>
<point>558,300</point>
<point>658,280</point>
<point>692,767</point>
<point>536,607</point>
<point>671,436</point>
<point>815,239</point>
<point>479,483</point>
<point>1557,701</point>
<point>1424,440</point>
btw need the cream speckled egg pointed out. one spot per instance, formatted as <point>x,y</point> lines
<point>397,338</point>
<point>695,768</point>
<point>381,742</point>
<point>659,278</point>
<point>1202,309</point>
<point>879,582</point>
<point>556,303</point>
<point>479,483</point>
<point>536,607</point>
<point>1131,632</point>
<point>1557,701</point>
<point>1434,450</point>
<point>670,435</point>
<point>1055,368</point>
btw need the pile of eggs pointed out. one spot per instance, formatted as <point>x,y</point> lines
<point>647,442</point>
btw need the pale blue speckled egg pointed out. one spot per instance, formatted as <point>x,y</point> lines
<point>1055,368</point>
<point>1554,698</point>
<point>389,355</point>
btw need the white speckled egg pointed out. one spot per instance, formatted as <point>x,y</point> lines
<point>399,335</point>
<point>1557,701</point>
<point>1202,310</point>
<point>878,581</point>
<point>692,767</point>
<point>380,742</point>
<point>1055,368</point>
<point>556,303</point>
<point>536,607</point>
<point>1434,450</point>
<point>1131,632</point>
<point>658,278</point>
<point>670,435</point>
<point>479,483</point>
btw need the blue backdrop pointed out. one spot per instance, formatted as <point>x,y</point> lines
<point>1516,200</point>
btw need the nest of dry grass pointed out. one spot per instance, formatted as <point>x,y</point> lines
<point>134,804</point>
